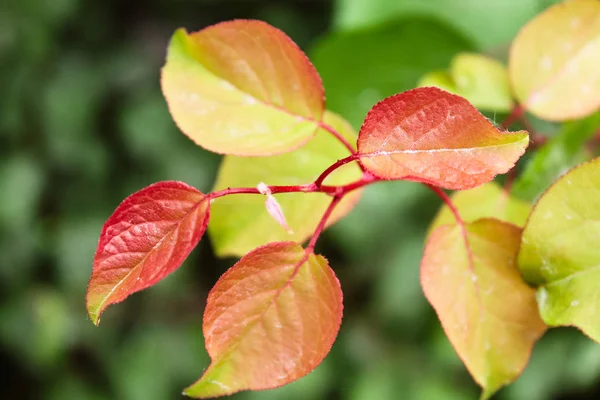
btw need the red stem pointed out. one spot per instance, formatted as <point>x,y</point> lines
<point>442,195</point>
<point>459,221</point>
<point>333,167</point>
<point>514,115</point>
<point>338,136</point>
<point>313,240</point>
<point>311,187</point>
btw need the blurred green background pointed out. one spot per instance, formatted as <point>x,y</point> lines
<point>83,124</point>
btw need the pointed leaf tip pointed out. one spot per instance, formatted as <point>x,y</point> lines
<point>432,136</point>
<point>242,87</point>
<point>269,320</point>
<point>148,236</point>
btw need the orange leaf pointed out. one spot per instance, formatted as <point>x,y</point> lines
<point>242,87</point>
<point>148,236</point>
<point>488,312</point>
<point>432,136</point>
<point>269,320</point>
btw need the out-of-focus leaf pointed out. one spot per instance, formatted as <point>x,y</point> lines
<point>148,236</point>
<point>242,87</point>
<point>429,135</point>
<point>240,223</point>
<point>392,58</point>
<point>490,315</point>
<point>554,59</point>
<point>269,320</point>
<point>557,156</point>
<point>440,79</point>
<point>488,23</point>
<point>483,81</point>
<point>559,251</point>
<point>486,201</point>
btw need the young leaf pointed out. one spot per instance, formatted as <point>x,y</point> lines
<point>269,320</point>
<point>242,87</point>
<point>486,201</point>
<point>240,223</point>
<point>557,156</point>
<point>148,236</point>
<point>554,61</point>
<point>429,135</point>
<point>559,250</point>
<point>490,315</point>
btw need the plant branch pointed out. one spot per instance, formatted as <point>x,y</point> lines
<point>459,221</point>
<point>321,226</point>
<point>338,136</point>
<point>446,199</point>
<point>333,167</point>
<point>311,187</point>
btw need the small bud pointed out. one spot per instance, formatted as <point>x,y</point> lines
<point>273,207</point>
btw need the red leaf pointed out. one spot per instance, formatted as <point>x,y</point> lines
<point>148,236</point>
<point>269,320</point>
<point>432,136</point>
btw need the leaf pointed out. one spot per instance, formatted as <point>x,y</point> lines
<point>392,58</point>
<point>148,236</point>
<point>488,23</point>
<point>240,223</point>
<point>440,79</point>
<point>242,87</point>
<point>429,135</point>
<point>557,156</point>
<point>553,61</point>
<point>559,250</point>
<point>488,313</point>
<point>483,81</point>
<point>486,201</point>
<point>269,320</point>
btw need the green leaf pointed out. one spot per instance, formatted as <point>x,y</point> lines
<point>489,314</point>
<point>483,81</point>
<point>558,155</point>
<point>488,23</point>
<point>440,79</point>
<point>363,67</point>
<point>240,223</point>
<point>485,201</point>
<point>480,79</point>
<point>559,250</point>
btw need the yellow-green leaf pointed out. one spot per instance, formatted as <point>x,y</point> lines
<point>554,61</point>
<point>482,80</point>
<point>559,251</point>
<point>240,223</point>
<point>242,87</point>
<point>485,201</point>
<point>470,277</point>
